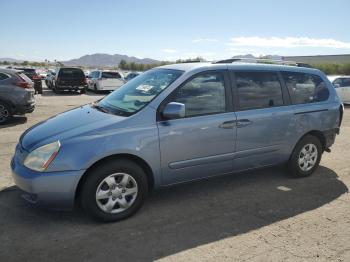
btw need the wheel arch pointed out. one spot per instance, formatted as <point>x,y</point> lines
<point>316,133</point>
<point>10,104</point>
<point>139,161</point>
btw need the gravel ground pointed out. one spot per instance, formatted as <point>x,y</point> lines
<point>258,216</point>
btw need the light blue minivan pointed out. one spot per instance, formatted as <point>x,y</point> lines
<point>174,124</point>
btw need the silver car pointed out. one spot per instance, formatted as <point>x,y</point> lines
<point>342,86</point>
<point>175,124</point>
<point>105,80</point>
<point>16,94</point>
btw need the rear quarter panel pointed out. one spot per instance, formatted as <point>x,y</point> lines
<point>319,116</point>
<point>14,95</point>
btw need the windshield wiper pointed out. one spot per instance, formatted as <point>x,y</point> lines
<point>101,108</point>
<point>113,110</point>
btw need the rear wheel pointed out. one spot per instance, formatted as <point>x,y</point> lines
<point>306,157</point>
<point>114,191</point>
<point>5,112</point>
<point>83,91</point>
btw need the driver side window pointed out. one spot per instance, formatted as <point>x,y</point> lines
<point>203,95</point>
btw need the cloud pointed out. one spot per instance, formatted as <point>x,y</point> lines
<point>288,42</point>
<point>169,51</point>
<point>201,40</point>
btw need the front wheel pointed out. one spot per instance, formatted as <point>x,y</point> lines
<point>114,191</point>
<point>54,89</point>
<point>5,113</point>
<point>305,157</point>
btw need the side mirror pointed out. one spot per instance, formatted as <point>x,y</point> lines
<point>336,85</point>
<point>174,110</point>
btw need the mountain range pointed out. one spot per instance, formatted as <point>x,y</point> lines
<point>102,60</point>
<point>97,60</point>
<point>107,60</point>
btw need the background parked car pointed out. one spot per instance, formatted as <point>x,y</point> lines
<point>131,76</point>
<point>69,78</point>
<point>43,74</point>
<point>16,94</point>
<point>34,76</point>
<point>105,80</point>
<point>49,78</point>
<point>342,86</point>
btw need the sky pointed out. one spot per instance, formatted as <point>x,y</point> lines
<point>168,30</point>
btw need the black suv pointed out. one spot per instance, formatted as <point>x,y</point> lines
<point>69,78</point>
<point>32,74</point>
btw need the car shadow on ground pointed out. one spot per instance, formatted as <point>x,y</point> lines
<point>172,220</point>
<point>49,92</point>
<point>97,93</point>
<point>14,121</point>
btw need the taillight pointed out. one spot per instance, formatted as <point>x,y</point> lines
<point>36,77</point>
<point>84,80</point>
<point>23,84</point>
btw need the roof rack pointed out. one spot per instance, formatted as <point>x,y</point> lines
<point>261,61</point>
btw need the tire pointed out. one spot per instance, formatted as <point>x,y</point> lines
<point>95,88</point>
<point>83,91</point>
<point>5,113</point>
<point>40,89</point>
<point>107,208</point>
<point>55,89</point>
<point>305,157</point>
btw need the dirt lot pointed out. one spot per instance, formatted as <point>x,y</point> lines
<point>259,216</point>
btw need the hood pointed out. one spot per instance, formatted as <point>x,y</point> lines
<point>76,122</point>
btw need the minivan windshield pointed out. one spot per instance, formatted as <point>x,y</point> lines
<point>138,92</point>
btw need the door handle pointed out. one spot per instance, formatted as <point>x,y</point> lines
<point>243,122</point>
<point>228,124</point>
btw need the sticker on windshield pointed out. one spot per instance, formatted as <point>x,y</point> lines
<point>144,88</point>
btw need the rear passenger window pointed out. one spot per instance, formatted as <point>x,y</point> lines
<point>346,82</point>
<point>305,88</point>
<point>3,76</point>
<point>258,90</point>
<point>115,75</point>
<point>203,95</point>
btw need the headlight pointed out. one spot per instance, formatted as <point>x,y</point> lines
<point>40,158</point>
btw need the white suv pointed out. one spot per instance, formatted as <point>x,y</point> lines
<point>105,80</point>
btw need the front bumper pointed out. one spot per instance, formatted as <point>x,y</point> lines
<point>23,109</point>
<point>53,190</point>
<point>69,87</point>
